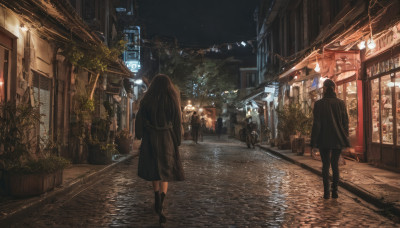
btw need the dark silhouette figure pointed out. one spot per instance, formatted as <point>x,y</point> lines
<point>330,133</point>
<point>219,127</point>
<point>195,122</point>
<point>251,136</point>
<point>158,124</point>
<point>202,128</point>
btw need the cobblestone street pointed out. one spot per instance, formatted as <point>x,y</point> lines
<point>227,185</point>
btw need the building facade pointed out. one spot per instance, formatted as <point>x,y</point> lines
<point>354,43</point>
<point>35,68</point>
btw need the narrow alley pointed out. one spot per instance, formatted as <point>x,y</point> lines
<point>227,185</point>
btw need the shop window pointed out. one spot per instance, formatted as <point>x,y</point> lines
<point>397,90</point>
<point>375,110</point>
<point>352,110</point>
<point>42,97</point>
<point>348,93</point>
<point>386,110</point>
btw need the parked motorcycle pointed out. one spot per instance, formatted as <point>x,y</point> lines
<point>251,139</point>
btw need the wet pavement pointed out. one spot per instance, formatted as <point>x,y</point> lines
<point>227,185</point>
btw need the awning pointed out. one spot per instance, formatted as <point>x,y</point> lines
<point>253,94</point>
<point>342,38</point>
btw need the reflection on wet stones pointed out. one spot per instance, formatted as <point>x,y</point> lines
<point>226,185</point>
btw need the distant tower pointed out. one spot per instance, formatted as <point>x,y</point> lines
<point>132,52</point>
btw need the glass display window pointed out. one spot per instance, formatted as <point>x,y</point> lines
<point>386,109</point>
<point>352,110</point>
<point>375,107</point>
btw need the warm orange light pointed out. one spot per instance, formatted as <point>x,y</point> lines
<point>24,28</point>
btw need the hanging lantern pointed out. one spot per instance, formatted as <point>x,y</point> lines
<point>317,68</point>
<point>361,45</point>
<point>371,43</point>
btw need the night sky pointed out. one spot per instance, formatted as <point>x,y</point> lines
<point>199,23</point>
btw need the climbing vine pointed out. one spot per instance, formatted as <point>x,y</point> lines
<point>93,57</point>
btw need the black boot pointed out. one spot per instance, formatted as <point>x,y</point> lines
<point>334,192</point>
<point>163,219</point>
<point>326,189</point>
<point>157,202</point>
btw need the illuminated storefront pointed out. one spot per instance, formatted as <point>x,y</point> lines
<point>383,77</point>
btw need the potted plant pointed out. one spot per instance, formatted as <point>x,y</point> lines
<point>29,166</point>
<point>101,153</point>
<point>124,141</point>
<point>97,143</point>
<point>81,119</point>
<point>293,125</point>
<point>100,149</point>
<point>286,125</point>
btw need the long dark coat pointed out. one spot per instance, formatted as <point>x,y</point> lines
<point>331,124</point>
<point>158,124</point>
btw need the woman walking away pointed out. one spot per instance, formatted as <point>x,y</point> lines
<point>158,124</point>
<point>330,134</point>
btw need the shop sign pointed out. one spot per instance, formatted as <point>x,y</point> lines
<point>389,39</point>
<point>384,66</point>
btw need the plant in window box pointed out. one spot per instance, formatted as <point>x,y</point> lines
<point>26,172</point>
<point>123,140</point>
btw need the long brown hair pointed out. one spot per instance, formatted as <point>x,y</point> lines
<point>161,86</point>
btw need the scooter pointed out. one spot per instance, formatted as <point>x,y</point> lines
<point>251,139</point>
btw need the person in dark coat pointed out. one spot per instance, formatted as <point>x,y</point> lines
<point>219,127</point>
<point>158,124</point>
<point>330,134</point>
<point>195,122</point>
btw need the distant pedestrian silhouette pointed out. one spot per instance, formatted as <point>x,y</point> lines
<point>195,122</point>
<point>202,128</point>
<point>219,127</point>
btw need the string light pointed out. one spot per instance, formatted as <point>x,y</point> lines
<point>361,45</point>
<point>24,28</point>
<point>371,44</point>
